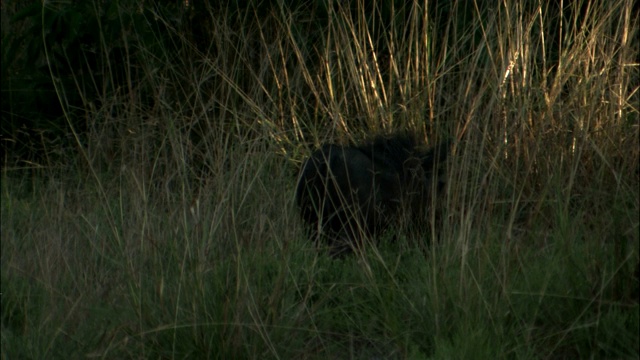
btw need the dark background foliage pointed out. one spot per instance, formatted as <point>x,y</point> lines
<point>61,60</point>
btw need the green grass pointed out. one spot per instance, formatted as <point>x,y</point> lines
<point>165,283</point>
<point>172,231</point>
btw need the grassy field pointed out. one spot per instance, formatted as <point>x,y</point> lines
<point>170,230</point>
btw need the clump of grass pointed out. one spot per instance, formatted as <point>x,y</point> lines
<point>174,234</point>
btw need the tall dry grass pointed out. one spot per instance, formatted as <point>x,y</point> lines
<point>172,231</point>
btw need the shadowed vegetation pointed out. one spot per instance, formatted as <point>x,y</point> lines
<point>150,161</point>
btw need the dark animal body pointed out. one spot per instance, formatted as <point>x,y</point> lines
<point>347,194</point>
